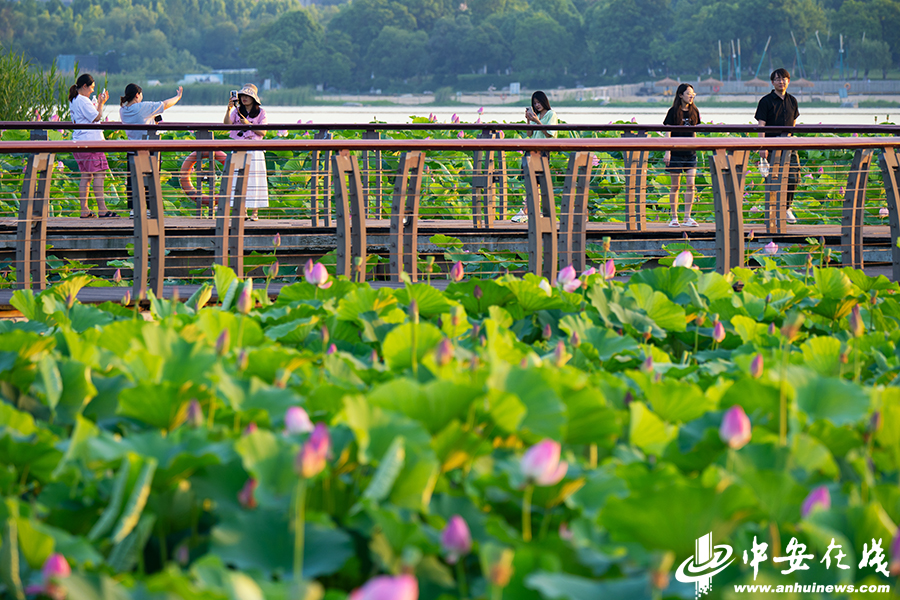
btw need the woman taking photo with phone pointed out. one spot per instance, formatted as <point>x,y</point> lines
<point>683,113</point>
<point>539,113</point>
<point>244,109</point>
<point>92,165</point>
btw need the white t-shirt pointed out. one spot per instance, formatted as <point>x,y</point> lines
<point>84,111</point>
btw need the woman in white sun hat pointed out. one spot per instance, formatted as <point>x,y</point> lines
<point>245,109</point>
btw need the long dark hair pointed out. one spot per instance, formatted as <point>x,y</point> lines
<point>692,110</point>
<point>131,92</point>
<point>253,112</point>
<point>83,80</point>
<point>542,98</point>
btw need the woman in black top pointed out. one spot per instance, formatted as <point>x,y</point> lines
<point>682,113</point>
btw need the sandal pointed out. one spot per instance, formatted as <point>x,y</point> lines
<point>90,215</point>
<point>109,215</point>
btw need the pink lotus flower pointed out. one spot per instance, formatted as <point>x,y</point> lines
<point>331,349</point>
<point>588,273</point>
<point>771,248</point>
<point>117,276</point>
<point>247,496</point>
<point>454,118</point>
<point>567,279</point>
<point>311,459</point>
<point>316,274</point>
<point>54,117</point>
<point>457,272</point>
<point>481,110</point>
<point>595,160</point>
<point>756,210</point>
<point>541,464</point>
<point>818,498</point>
<point>461,134</point>
<point>502,134</point>
<point>883,212</point>
<point>56,567</point>
<point>756,366</point>
<point>296,420</point>
<point>821,170</point>
<point>401,587</point>
<point>684,259</point>
<point>735,428</point>
<point>609,269</point>
<point>718,332</point>
<point>456,539</point>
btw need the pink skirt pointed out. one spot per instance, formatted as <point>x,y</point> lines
<point>91,162</point>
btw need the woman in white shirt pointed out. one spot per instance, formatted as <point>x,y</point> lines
<point>92,165</point>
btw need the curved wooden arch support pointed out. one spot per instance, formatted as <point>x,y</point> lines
<point>229,244</point>
<point>890,170</point>
<point>31,230</point>
<point>543,250</point>
<point>853,211</point>
<point>573,211</point>
<point>350,220</point>
<point>727,172</point>
<point>148,231</point>
<point>405,216</point>
<point>636,163</point>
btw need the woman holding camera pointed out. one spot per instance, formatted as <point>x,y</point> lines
<point>244,108</point>
<point>133,110</point>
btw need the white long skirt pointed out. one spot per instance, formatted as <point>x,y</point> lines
<point>257,182</point>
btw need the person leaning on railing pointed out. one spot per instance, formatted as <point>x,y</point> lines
<point>133,110</point>
<point>245,108</point>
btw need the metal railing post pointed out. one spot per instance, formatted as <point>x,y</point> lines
<point>853,212</point>
<point>543,246</point>
<point>405,216</point>
<point>31,229</point>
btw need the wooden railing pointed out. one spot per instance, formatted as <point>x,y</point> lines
<point>552,242</point>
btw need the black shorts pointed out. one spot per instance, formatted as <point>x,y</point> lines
<point>680,162</point>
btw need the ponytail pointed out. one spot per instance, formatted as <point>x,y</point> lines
<point>73,91</point>
<point>131,91</point>
<point>83,80</point>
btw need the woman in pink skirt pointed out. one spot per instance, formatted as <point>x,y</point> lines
<point>92,165</point>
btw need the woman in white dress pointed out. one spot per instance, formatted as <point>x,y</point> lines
<point>245,109</point>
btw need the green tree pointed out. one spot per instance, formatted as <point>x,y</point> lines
<point>627,34</point>
<point>273,48</point>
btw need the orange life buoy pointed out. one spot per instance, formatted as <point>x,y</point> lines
<point>715,89</point>
<point>187,168</point>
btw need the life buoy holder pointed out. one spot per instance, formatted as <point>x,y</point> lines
<point>187,169</point>
<point>715,89</point>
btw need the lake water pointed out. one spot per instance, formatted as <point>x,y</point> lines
<point>651,115</point>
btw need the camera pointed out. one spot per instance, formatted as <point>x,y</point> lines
<point>158,118</point>
<point>234,94</point>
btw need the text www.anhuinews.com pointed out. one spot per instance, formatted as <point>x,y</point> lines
<point>818,588</point>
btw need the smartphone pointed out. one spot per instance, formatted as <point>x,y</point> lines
<point>234,94</point>
<point>158,118</point>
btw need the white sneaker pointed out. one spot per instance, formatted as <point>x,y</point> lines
<point>520,217</point>
<point>131,215</point>
<point>674,223</point>
<point>689,222</point>
<point>790,216</point>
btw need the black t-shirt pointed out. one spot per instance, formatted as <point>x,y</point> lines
<point>777,111</point>
<point>687,118</point>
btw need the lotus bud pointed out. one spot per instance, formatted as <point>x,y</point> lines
<point>413,311</point>
<point>750,236</point>
<point>701,319</point>
<point>182,555</point>
<point>771,248</point>
<point>822,241</point>
<point>875,422</point>
<point>559,354</point>
<point>607,242</point>
<point>444,353</point>
<point>330,350</point>
<point>647,365</point>
<point>245,299</point>
<point>312,457</point>
<point>648,334</point>
<point>684,259</point>
<point>126,298</point>
<point>718,332</point>
<point>204,296</point>
<point>222,342</point>
<point>771,328</point>
<point>476,329</point>
<point>575,340</point>
<point>454,317</point>
<point>477,292</point>
<point>756,366</point>
<point>276,240</point>
<point>857,326</point>
<point>499,563</point>
<point>273,270</point>
<point>194,417</point>
<point>819,498</point>
<point>384,587</point>
<point>883,212</point>
<point>544,285</point>
<point>373,357</point>
<point>894,566</point>
<point>296,420</point>
<point>791,327</point>
<point>117,276</point>
<point>541,465</point>
<point>247,496</point>
<point>547,331</point>
<point>56,567</point>
<point>316,274</point>
<point>243,360</point>
<point>735,428</point>
<point>457,272</point>
<point>874,299</point>
<point>456,539</point>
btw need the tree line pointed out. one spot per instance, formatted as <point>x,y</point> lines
<point>388,43</point>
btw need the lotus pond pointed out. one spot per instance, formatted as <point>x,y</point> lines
<point>506,438</point>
